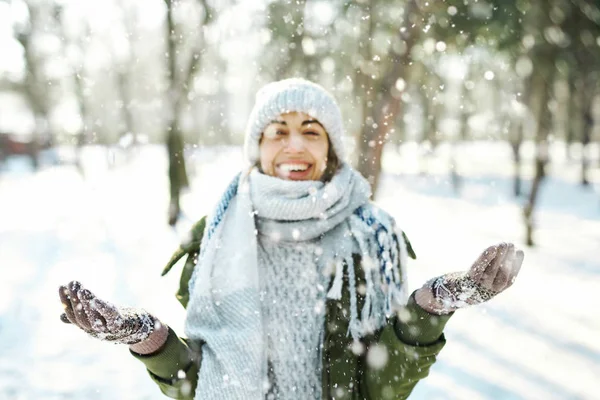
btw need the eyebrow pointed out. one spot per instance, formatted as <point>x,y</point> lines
<point>307,122</point>
<point>311,121</point>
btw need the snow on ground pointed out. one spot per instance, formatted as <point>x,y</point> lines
<point>536,341</point>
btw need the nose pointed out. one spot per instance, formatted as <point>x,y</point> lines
<point>294,144</point>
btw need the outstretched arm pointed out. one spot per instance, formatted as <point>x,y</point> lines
<point>417,335</point>
<point>172,363</point>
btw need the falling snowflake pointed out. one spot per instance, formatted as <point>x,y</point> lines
<point>377,356</point>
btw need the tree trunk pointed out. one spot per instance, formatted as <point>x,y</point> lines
<point>460,137</point>
<point>78,73</point>
<point>516,139</point>
<point>541,90</point>
<point>574,110</point>
<point>454,174</point>
<point>423,158</point>
<point>82,134</point>
<point>128,118</point>
<point>33,90</point>
<point>381,116</point>
<point>376,135</point>
<point>365,89</point>
<point>306,63</point>
<point>433,109</point>
<point>588,124</point>
<point>516,150</point>
<point>178,178</point>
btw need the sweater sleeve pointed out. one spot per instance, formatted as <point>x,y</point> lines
<point>174,367</point>
<point>412,342</point>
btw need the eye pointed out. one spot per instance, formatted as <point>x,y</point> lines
<point>274,133</point>
<point>311,133</point>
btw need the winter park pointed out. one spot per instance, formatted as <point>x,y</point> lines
<point>402,199</point>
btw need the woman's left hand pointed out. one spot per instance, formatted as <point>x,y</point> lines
<point>492,273</point>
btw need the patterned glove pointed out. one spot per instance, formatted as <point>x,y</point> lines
<point>103,320</point>
<point>493,272</point>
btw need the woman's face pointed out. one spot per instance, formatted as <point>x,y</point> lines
<point>294,146</point>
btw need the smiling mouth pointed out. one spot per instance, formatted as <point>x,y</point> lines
<point>294,167</point>
<point>294,171</point>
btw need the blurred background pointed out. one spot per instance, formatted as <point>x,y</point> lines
<point>475,121</point>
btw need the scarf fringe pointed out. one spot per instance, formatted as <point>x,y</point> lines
<point>335,292</point>
<point>385,281</point>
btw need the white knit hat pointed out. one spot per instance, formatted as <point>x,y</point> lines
<point>293,95</point>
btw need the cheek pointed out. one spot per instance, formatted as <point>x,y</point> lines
<point>267,155</point>
<point>320,152</point>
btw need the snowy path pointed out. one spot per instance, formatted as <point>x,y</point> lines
<point>537,341</point>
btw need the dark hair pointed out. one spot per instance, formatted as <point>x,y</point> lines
<point>333,163</point>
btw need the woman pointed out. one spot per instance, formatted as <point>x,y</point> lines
<point>296,289</point>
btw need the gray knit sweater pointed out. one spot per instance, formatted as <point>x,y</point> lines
<point>293,293</point>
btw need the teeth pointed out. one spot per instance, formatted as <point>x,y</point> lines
<point>293,167</point>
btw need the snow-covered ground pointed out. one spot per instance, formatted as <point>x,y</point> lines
<point>539,340</point>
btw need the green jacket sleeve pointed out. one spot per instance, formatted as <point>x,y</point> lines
<point>174,367</point>
<point>412,340</point>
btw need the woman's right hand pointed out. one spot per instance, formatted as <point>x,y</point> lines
<point>103,320</point>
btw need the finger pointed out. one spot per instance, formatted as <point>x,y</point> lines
<point>109,312</point>
<point>97,321</point>
<point>504,272</point>
<point>80,316</point>
<point>518,261</point>
<point>63,318</point>
<point>490,272</point>
<point>482,262</point>
<point>484,269</point>
<point>63,293</point>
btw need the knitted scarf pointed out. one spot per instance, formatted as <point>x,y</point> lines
<point>225,310</point>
